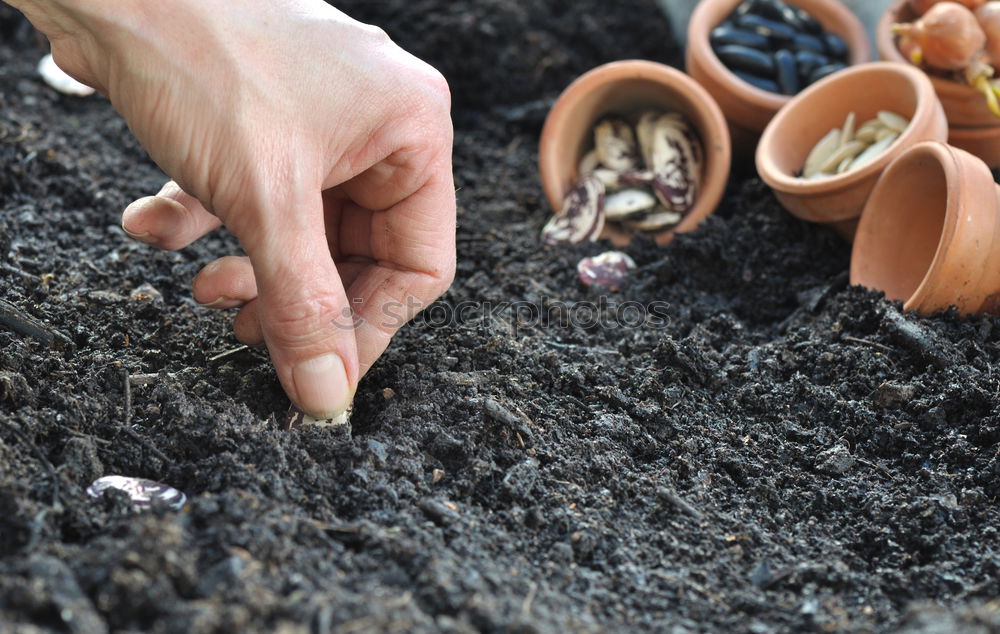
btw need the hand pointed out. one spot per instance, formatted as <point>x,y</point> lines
<point>321,145</point>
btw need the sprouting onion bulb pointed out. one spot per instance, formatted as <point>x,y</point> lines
<point>911,50</point>
<point>949,36</point>
<point>920,7</point>
<point>988,17</point>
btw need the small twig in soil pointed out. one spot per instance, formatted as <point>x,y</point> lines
<point>127,381</point>
<point>148,446</point>
<point>222,355</point>
<point>127,390</point>
<point>146,379</point>
<point>16,271</point>
<point>23,324</point>
<point>576,345</point>
<point>680,503</point>
<point>80,434</point>
<point>528,600</point>
<point>877,466</point>
<point>873,344</point>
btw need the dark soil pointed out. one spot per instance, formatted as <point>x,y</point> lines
<point>772,450</point>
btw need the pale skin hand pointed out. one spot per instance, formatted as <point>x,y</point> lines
<point>320,144</point>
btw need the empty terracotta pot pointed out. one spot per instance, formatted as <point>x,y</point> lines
<point>794,131</point>
<point>749,109</point>
<point>930,232</point>
<point>624,88</point>
<point>963,105</point>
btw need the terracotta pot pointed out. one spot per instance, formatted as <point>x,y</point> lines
<point>625,87</point>
<point>749,109</point>
<point>984,142</point>
<point>930,233</point>
<point>794,131</point>
<point>963,105</point>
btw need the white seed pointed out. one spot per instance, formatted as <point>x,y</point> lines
<point>847,134</point>
<point>852,149</point>
<point>614,142</point>
<point>644,132</point>
<point>588,163</point>
<point>873,151</point>
<point>57,78</point>
<point>866,132</point>
<point>893,120</point>
<point>582,215</point>
<point>657,220</point>
<point>676,163</point>
<point>884,132</point>
<point>296,418</point>
<point>821,152</point>
<point>608,177</point>
<point>141,492</point>
<point>627,202</point>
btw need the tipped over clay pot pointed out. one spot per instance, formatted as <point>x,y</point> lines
<point>748,109</point>
<point>623,88</point>
<point>963,105</point>
<point>865,90</point>
<point>930,233</point>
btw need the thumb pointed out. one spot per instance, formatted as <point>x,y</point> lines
<point>304,313</point>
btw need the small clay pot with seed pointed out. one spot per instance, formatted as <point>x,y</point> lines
<point>623,88</point>
<point>865,90</point>
<point>930,232</point>
<point>747,108</point>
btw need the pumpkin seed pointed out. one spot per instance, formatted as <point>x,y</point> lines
<point>893,120</point>
<point>821,152</point>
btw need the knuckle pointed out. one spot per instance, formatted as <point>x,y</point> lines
<point>444,278</point>
<point>302,322</point>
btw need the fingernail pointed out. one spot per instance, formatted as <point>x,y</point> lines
<point>220,302</point>
<point>322,386</point>
<point>137,236</point>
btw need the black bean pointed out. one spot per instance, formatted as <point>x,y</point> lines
<point>835,46</point>
<point>778,32</point>
<point>806,53</point>
<point>804,41</point>
<point>823,71</point>
<point>748,6</point>
<point>727,34</point>
<point>790,16</point>
<point>807,62</point>
<point>788,73</point>
<point>770,9</point>
<point>759,82</point>
<point>746,59</point>
<point>810,23</point>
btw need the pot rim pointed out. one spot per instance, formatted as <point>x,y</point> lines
<point>704,19</point>
<point>927,107</point>
<point>714,136</point>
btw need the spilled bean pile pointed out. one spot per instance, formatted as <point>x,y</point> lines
<point>777,47</point>
<point>643,173</point>
<point>844,149</point>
